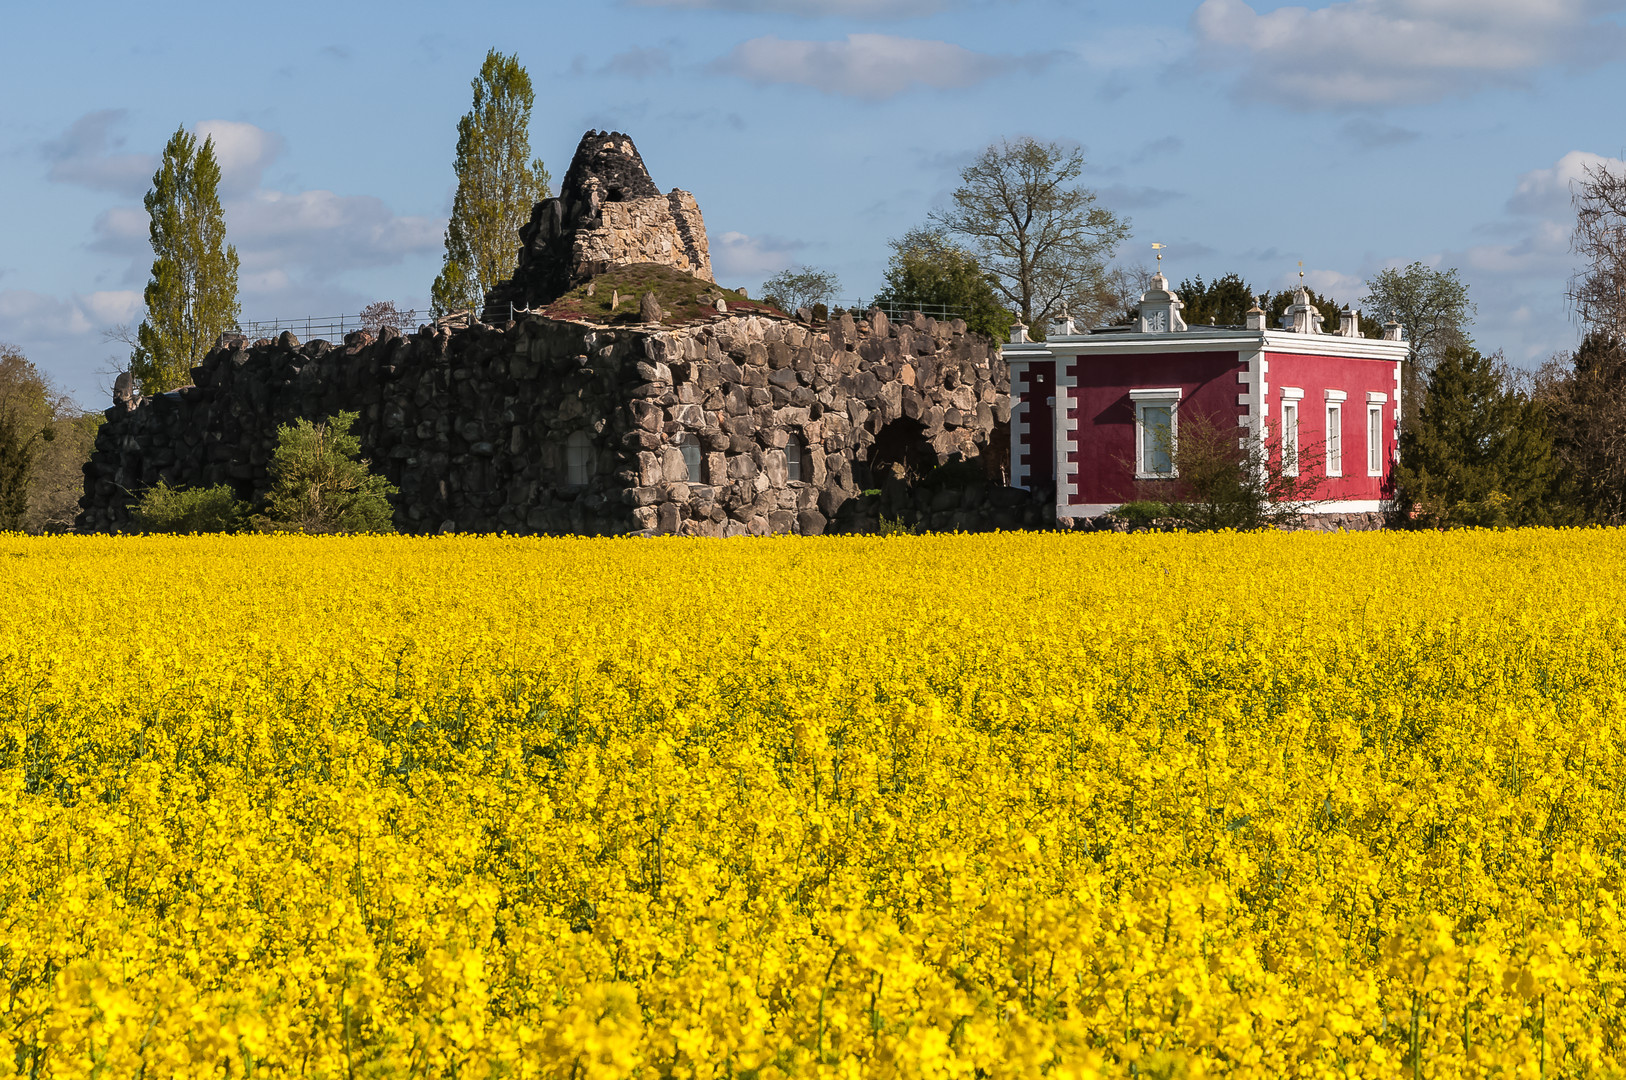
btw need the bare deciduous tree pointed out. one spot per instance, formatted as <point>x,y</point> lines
<point>1598,289</point>
<point>1583,395</point>
<point>1125,286</point>
<point>381,313</point>
<point>1035,229</point>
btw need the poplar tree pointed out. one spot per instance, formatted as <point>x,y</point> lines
<point>496,187</point>
<point>192,295</point>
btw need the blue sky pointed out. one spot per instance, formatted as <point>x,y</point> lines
<point>1352,135</point>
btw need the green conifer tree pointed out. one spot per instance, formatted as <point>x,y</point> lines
<point>1224,301</point>
<point>321,484</point>
<point>496,187</point>
<point>192,295</point>
<point>1478,453</point>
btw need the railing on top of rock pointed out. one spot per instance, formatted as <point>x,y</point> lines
<point>898,311</point>
<point>336,326</point>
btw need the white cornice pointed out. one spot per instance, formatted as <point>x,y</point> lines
<point>1210,340</point>
<point>1285,341</point>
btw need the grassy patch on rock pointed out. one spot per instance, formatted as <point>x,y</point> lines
<point>683,297</point>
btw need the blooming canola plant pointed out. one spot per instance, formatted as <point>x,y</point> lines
<point>1254,806</point>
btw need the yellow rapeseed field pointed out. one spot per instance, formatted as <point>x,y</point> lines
<point>1156,806</point>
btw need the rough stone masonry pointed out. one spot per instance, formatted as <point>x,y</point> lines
<point>726,424</point>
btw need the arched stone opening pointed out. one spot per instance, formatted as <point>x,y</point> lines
<point>901,452</point>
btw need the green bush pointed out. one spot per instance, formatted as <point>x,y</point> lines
<point>320,484</point>
<point>1144,512</point>
<point>163,509</point>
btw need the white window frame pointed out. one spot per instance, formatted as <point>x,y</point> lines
<point>1374,433</point>
<point>1291,396</point>
<point>1156,398</point>
<point>1335,433</point>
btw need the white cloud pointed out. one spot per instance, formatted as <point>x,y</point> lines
<point>122,230</point>
<point>1120,197</point>
<point>301,252</point>
<point>1546,192</point>
<point>848,9</point>
<point>63,335</point>
<point>323,233</point>
<point>1135,48</point>
<point>28,314</point>
<point>1370,134</point>
<point>1539,248</point>
<point>872,67</point>
<point>1380,52</point>
<point>1342,287</point>
<point>1518,270</point>
<point>88,154</point>
<point>290,243</point>
<point>1168,144</point>
<point>636,63</point>
<point>242,150</point>
<point>735,256</point>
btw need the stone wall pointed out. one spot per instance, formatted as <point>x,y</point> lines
<point>478,427</point>
<point>666,229</point>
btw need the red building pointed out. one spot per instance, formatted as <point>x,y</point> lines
<point>1097,413</point>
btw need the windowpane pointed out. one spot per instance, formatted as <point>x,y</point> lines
<point>1290,439</point>
<point>1156,442</point>
<point>793,459</point>
<point>690,446</point>
<point>1374,440</point>
<point>576,452</point>
<point>1335,440</point>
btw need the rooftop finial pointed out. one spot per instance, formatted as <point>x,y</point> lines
<point>1159,249</point>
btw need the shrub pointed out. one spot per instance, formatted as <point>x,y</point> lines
<point>1144,511</point>
<point>163,509</point>
<point>321,484</point>
<point>1223,479</point>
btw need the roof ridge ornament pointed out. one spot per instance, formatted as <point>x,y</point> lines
<point>1160,307</point>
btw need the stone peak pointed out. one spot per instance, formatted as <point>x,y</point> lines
<point>611,160</point>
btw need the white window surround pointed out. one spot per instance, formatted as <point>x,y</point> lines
<point>1157,402</point>
<point>1335,438</point>
<point>1374,397</point>
<point>1336,395</point>
<point>1374,438</point>
<point>1292,393</point>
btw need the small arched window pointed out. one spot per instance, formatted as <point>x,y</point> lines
<point>578,450</point>
<point>794,453</point>
<point>689,446</point>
